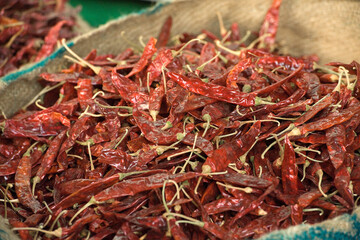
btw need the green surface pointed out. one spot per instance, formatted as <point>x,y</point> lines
<point>97,12</point>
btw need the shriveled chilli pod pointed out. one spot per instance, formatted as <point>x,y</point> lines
<point>153,145</point>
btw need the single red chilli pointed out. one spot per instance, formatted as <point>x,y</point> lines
<point>296,214</point>
<point>84,92</point>
<point>300,106</point>
<point>155,100</point>
<point>164,34</point>
<point>254,204</point>
<point>256,226</point>
<point>161,61</point>
<point>78,226</point>
<point>49,157</point>
<point>342,184</point>
<point>214,91</point>
<point>276,85</point>
<point>69,77</point>
<point>152,133</point>
<point>128,89</point>
<point>314,138</point>
<point>335,142</point>
<point>140,184</point>
<point>50,40</point>
<point>324,205</point>
<point>289,171</point>
<point>85,193</point>
<point>270,24</point>
<point>9,167</point>
<point>235,32</point>
<point>23,234</point>
<point>307,198</point>
<point>209,34</point>
<point>243,180</point>
<point>324,103</point>
<point>192,102</point>
<point>148,52</point>
<point>231,80</point>
<point>287,62</point>
<point>22,184</point>
<point>208,52</point>
<point>231,151</point>
<point>202,143</point>
<point>40,124</point>
<point>223,205</point>
<point>68,187</point>
<point>330,120</point>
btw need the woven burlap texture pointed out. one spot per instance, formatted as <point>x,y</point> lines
<point>328,28</point>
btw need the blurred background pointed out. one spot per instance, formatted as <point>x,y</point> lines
<point>97,12</point>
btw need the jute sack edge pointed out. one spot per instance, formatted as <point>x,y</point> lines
<point>327,28</point>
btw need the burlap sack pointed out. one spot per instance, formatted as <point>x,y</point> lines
<point>329,28</point>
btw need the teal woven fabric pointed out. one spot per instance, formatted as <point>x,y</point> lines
<point>344,227</point>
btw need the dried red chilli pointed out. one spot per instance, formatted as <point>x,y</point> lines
<point>22,183</point>
<point>289,169</point>
<point>238,142</point>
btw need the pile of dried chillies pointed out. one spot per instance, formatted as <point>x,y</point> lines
<point>29,30</point>
<point>209,138</point>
